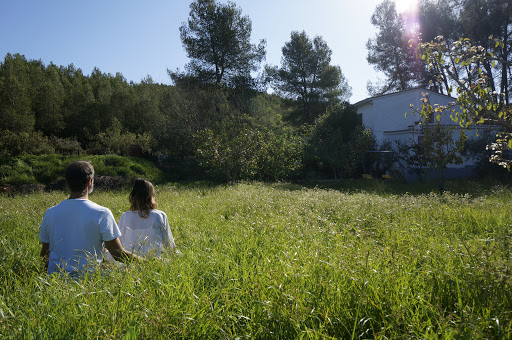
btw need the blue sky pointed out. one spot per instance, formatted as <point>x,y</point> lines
<point>139,38</point>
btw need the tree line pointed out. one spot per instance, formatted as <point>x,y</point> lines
<point>217,117</point>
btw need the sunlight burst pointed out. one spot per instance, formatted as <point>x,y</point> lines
<point>404,6</point>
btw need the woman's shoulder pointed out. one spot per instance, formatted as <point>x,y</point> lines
<point>157,212</point>
<point>129,215</point>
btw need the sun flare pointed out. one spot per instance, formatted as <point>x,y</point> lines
<point>403,6</point>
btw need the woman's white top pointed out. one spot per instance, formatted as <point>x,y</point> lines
<point>143,236</point>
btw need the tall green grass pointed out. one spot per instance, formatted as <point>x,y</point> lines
<point>277,261</point>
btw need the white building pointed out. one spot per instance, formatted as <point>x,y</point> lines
<point>391,118</point>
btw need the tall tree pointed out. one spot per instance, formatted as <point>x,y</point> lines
<point>216,38</point>
<point>439,17</point>
<point>48,103</point>
<point>307,75</point>
<point>80,118</point>
<point>393,52</point>
<point>16,112</point>
<point>390,51</point>
<point>480,19</point>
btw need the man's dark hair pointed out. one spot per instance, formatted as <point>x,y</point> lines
<point>78,174</point>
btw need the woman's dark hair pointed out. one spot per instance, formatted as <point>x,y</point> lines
<point>78,174</point>
<point>142,197</point>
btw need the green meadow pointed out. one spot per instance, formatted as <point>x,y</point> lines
<point>278,261</point>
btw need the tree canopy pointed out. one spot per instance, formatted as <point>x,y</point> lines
<point>217,123</point>
<point>216,38</point>
<point>394,48</point>
<point>390,52</point>
<point>307,75</point>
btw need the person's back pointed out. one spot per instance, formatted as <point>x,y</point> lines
<point>75,229</point>
<point>72,233</point>
<point>145,229</point>
<point>146,235</point>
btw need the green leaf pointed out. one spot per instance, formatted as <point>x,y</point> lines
<point>510,144</point>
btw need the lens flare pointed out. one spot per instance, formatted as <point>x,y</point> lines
<point>409,10</point>
<point>407,6</point>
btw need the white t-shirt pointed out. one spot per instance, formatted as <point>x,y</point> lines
<point>75,230</point>
<point>143,236</point>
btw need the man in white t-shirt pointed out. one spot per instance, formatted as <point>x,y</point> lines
<point>73,232</point>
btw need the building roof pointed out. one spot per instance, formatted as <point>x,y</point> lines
<point>370,99</point>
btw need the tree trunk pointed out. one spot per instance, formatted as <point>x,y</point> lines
<point>441,180</point>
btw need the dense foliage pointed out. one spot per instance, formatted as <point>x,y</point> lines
<point>50,169</point>
<point>394,48</point>
<point>339,142</point>
<point>215,122</point>
<point>45,109</point>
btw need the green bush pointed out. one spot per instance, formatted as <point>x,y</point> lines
<point>46,168</point>
<point>30,169</point>
<point>116,141</point>
<point>24,143</point>
<point>236,151</point>
<point>15,171</point>
<point>338,143</point>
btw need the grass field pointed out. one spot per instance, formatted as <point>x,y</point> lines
<point>279,261</point>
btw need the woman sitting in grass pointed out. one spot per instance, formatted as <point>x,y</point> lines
<point>144,229</point>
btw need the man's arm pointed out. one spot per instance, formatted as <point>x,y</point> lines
<point>117,251</point>
<point>45,254</point>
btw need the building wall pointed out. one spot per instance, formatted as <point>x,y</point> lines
<point>391,118</point>
<point>391,115</point>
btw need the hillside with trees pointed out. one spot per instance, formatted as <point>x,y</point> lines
<point>227,116</point>
<point>216,120</point>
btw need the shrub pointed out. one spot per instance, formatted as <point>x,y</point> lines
<point>339,142</point>
<point>242,152</point>
<point>24,143</point>
<point>48,169</point>
<point>116,141</point>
